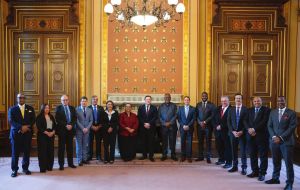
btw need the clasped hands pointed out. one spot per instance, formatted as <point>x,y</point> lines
<point>49,134</point>
<point>147,125</point>
<point>251,132</point>
<point>25,128</point>
<point>237,134</point>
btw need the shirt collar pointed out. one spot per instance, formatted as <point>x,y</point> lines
<point>283,109</point>
<point>23,106</point>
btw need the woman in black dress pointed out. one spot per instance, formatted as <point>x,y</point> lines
<point>110,125</point>
<point>45,123</point>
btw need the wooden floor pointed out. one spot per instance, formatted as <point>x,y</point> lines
<point>139,175</point>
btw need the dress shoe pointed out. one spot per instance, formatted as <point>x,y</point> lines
<point>190,160</point>
<point>174,158</point>
<point>220,162</point>
<point>244,172</point>
<point>226,166</point>
<point>49,169</point>
<point>42,171</point>
<point>90,158</point>
<point>72,166</point>
<point>208,161</point>
<point>252,175</point>
<point>27,172</point>
<point>272,181</point>
<point>233,169</point>
<point>80,164</point>
<point>182,159</point>
<point>111,162</point>
<point>199,159</point>
<point>86,162</point>
<point>61,168</point>
<point>143,158</point>
<point>163,158</point>
<point>14,174</point>
<point>288,187</point>
<point>105,162</point>
<point>99,159</point>
<point>261,178</point>
<point>151,159</point>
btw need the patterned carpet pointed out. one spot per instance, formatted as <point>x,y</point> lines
<point>138,175</point>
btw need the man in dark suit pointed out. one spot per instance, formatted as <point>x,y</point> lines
<point>21,118</point>
<point>147,115</point>
<point>65,116</point>
<point>96,131</point>
<point>257,131</point>
<point>237,123</point>
<point>221,133</point>
<point>205,111</point>
<point>281,125</point>
<point>186,117</point>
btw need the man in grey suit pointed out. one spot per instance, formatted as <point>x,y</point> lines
<point>281,125</point>
<point>83,125</point>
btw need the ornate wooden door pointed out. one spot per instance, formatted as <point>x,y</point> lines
<point>44,69</point>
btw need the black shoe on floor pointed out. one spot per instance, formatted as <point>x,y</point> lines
<point>72,166</point>
<point>61,168</point>
<point>220,162</point>
<point>288,187</point>
<point>244,172</point>
<point>226,166</point>
<point>199,159</point>
<point>14,174</point>
<point>233,169</point>
<point>143,158</point>
<point>261,178</point>
<point>272,181</point>
<point>174,158</point>
<point>208,161</point>
<point>42,171</point>
<point>80,164</point>
<point>163,158</point>
<point>252,175</point>
<point>151,159</point>
<point>27,172</point>
<point>182,159</point>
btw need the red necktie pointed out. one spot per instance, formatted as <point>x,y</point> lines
<point>222,112</point>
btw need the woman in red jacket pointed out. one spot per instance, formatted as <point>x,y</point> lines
<point>127,133</point>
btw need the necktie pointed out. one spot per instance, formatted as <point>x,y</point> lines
<point>280,114</point>
<point>237,117</point>
<point>222,112</point>
<point>84,113</point>
<point>147,109</point>
<point>22,111</point>
<point>95,114</point>
<point>256,112</point>
<point>203,105</point>
<point>67,114</point>
<point>186,110</point>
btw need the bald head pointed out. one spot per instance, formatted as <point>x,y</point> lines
<point>64,100</point>
<point>21,98</point>
<point>257,102</point>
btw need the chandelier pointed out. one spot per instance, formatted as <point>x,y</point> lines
<point>144,12</point>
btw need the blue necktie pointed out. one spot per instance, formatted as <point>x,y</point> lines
<point>67,114</point>
<point>256,112</point>
<point>237,117</point>
<point>84,113</point>
<point>95,114</point>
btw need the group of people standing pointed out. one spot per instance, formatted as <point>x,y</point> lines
<point>251,130</point>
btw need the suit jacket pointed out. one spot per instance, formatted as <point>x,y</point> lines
<point>100,112</point>
<point>260,122</point>
<point>205,114</point>
<point>16,119</point>
<point>61,119</point>
<point>189,120</point>
<point>150,118</point>
<point>113,122</point>
<point>285,127</point>
<point>243,122</point>
<point>41,123</point>
<point>84,122</point>
<point>222,121</point>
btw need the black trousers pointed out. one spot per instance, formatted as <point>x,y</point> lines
<point>258,146</point>
<point>286,152</point>
<point>45,151</point>
<point>65,140</point>
<point>127,146</point>
<point>98,136</point>
<point>148,138</point>
<point>169,139</point>
<point>204,133</point>
<point>20,143</point>
<point>223,146</point>
<point>109,146</point>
